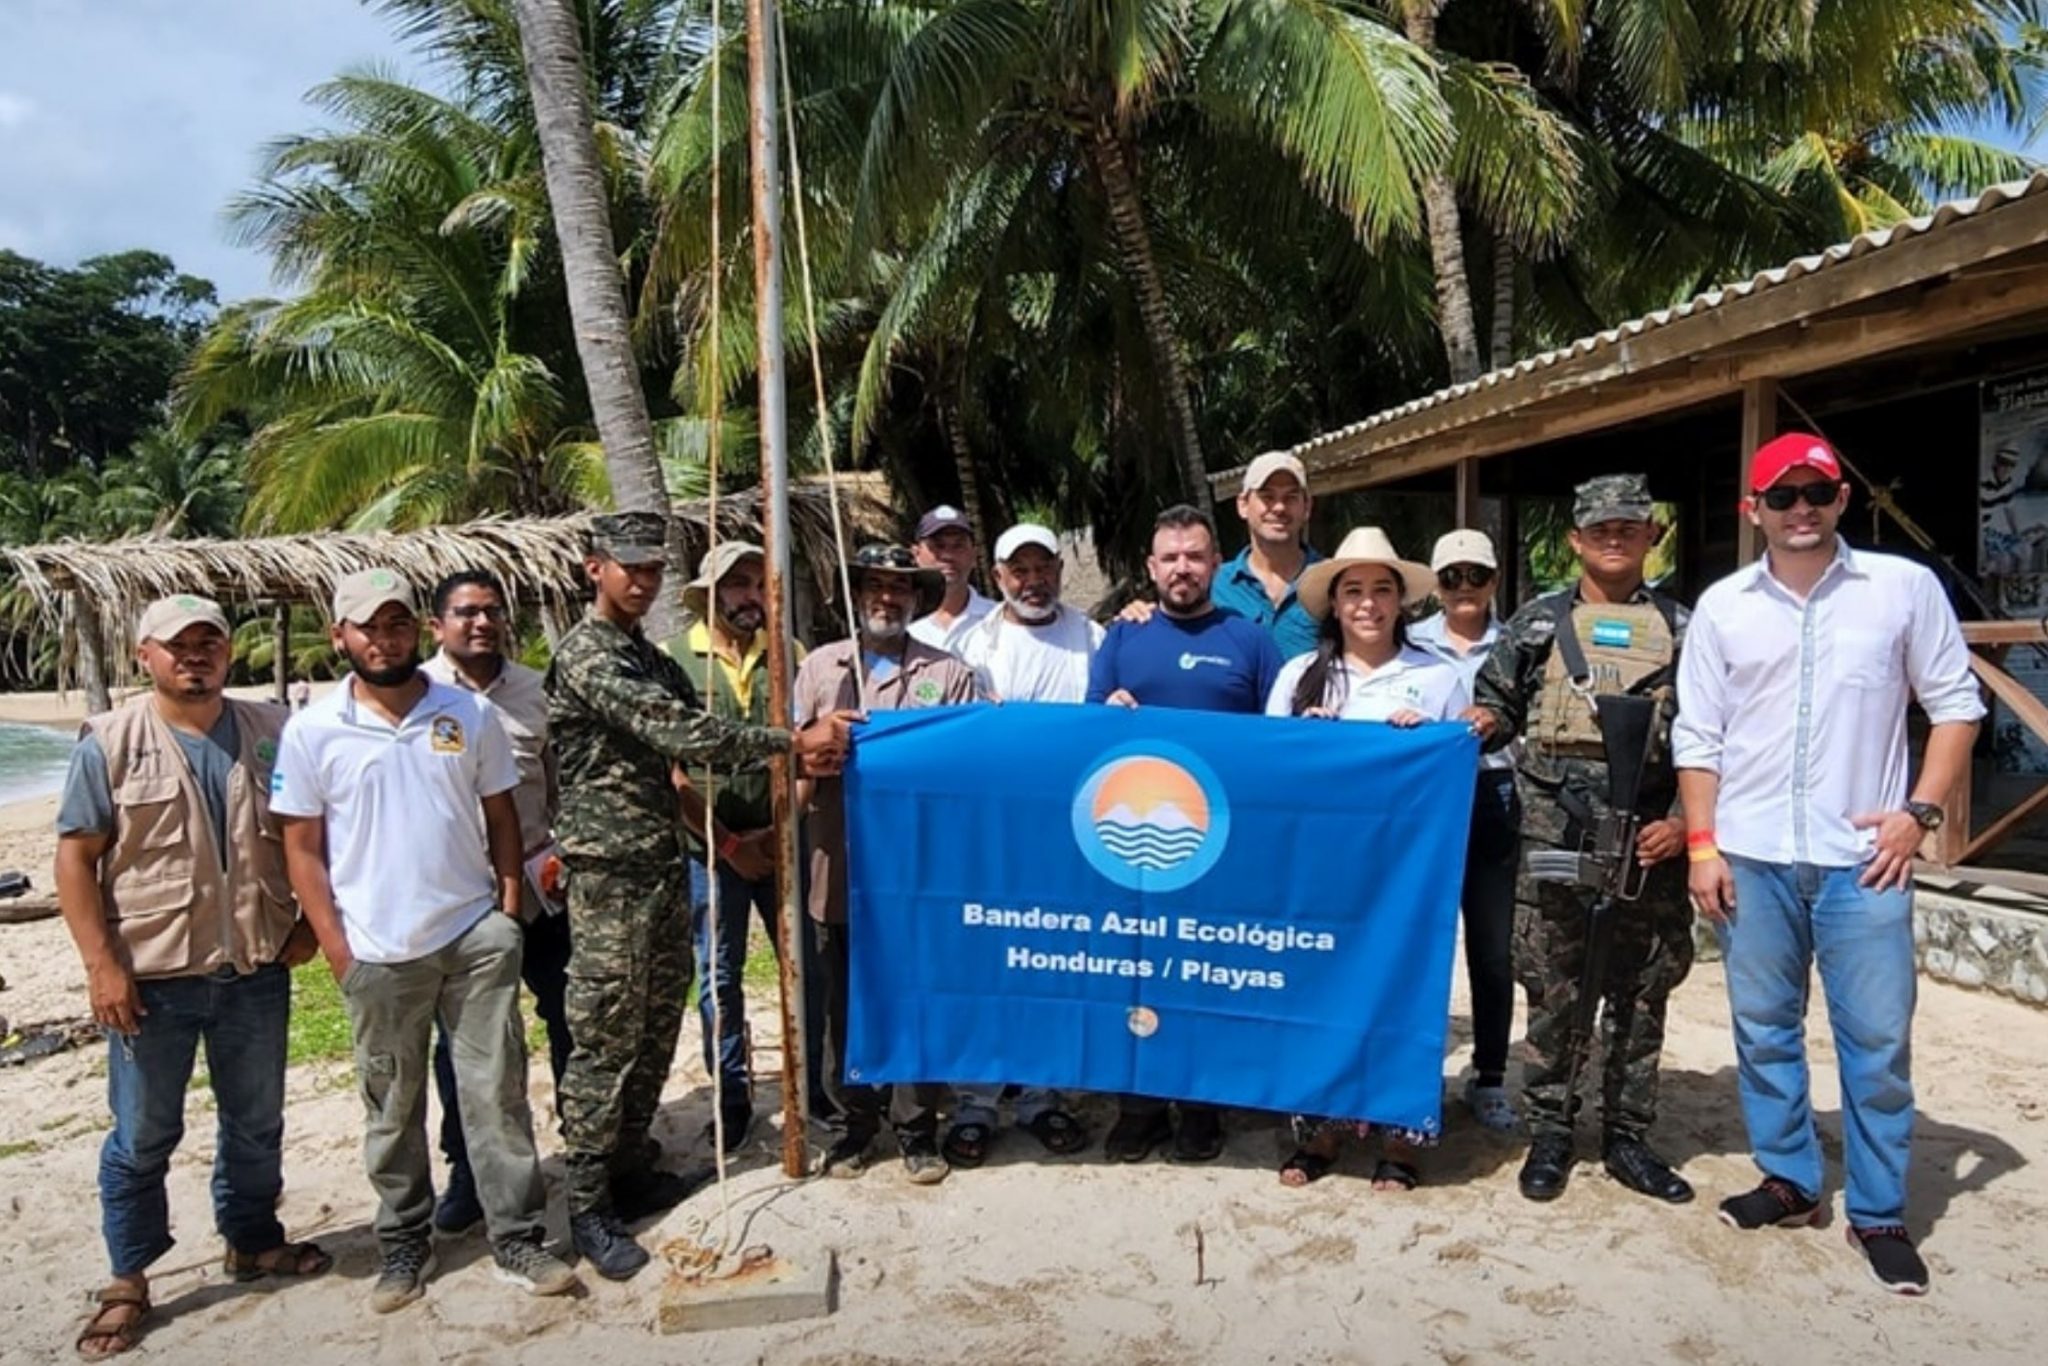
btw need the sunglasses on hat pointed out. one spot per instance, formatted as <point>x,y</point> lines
<point>1784,497</point>
<point>1454,577</point>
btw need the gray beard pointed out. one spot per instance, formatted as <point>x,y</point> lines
<point>1033,616</point>
<point>883,636</point>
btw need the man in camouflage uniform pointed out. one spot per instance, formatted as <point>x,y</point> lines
<point>623,716</point>
<point>1631,635</point>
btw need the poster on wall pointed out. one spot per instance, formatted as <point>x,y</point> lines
<point>2012,536</point>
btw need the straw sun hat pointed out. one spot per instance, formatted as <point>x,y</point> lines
<point>1364,545</point>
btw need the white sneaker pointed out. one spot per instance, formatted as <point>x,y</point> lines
<point>1491,1107</point>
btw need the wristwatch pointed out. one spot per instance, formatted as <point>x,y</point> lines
<point>1929,814</point>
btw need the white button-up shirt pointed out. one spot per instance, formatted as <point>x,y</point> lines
<point>949,636</point>
<point>1433,634</point>
<point>1800,705</point>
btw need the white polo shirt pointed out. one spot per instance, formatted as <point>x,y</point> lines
<point>1413,680</point>
<point>406,850</point>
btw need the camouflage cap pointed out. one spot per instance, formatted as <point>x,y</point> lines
<point>1612,498</point>
<point>929,584</point>
<point>357,597</point>
<point>630,537</point>
<point>163,619</point>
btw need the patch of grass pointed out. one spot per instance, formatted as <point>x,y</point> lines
<point>25,1148</point>
<point>319,1029</point>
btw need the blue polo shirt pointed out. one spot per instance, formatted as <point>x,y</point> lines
<point>1238,589</point>
<point>1217,662</point>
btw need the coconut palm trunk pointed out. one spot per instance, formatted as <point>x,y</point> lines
<point>954,423</point>
<point>1112,168</point>
<point>1501,351</point>
<point>1455,320</point>
<point>552,49</point>
<point>91,658</point>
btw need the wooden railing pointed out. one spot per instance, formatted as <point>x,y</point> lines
<point>1955,846</point>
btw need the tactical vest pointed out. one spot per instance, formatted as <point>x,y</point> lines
<point>1598,648</point>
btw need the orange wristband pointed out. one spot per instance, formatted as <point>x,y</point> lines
<point>1702,853</point>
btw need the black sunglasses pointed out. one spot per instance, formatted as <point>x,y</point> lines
<point>1784,497</point>
<point>1460,575</point>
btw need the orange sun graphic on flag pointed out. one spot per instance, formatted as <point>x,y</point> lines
<point>1143,784</point>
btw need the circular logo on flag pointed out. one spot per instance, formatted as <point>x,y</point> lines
<point>1151,817</point>
<point>1143,1021</point>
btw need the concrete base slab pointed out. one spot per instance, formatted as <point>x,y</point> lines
<point>763,1291</point>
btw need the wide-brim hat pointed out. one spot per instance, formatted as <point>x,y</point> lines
<point>929,584</point>
<point>713,567</point>
<point>1363,545</point>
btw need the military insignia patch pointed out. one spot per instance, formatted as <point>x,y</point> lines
<point>446,735</point>
<point>1617,635</point>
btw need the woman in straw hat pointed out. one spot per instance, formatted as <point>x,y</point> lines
<point>1363,669</point>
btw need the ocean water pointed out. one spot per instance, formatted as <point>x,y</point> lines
<point>32,760</point>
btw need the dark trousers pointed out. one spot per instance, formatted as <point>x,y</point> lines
<point>1488,905</point>
<point>913,1109</point>
<point>545,970</point>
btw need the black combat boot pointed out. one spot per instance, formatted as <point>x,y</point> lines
<point>1630,1161</point>
<point>1549,1165</point>
<point>603,1241</point>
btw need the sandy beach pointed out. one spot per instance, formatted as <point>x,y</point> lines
<point>1031,1259</point>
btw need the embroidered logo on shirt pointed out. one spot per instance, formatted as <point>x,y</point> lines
<point>446,735</point>
<point>1191,660</point>
<point>1614,634</point>
<point>927,692</point>
<point>266,751</point>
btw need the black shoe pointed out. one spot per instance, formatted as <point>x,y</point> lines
<point>922,1162</point>
<point>848,1156</point>
<point>1774,1204</point>
<point>602,1241</point>
<point>1630,1161</point>
<point>639,1194</point>
<point>1893,1262</point>
<point>1548,1167</point>
<point>458,1210</point>
<point>1133,1137</point>
<point>739,1127</point>
<point>1200,1138</point>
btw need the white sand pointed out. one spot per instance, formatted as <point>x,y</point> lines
<point>1037,1260</point>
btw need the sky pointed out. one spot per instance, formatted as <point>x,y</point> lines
<point>131,123</point>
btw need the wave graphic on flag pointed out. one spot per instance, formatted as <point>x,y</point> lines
<point>1164,837</point>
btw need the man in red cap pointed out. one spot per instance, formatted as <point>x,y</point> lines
<point>1802,822</point>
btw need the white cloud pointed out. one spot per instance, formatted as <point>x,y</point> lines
<point>132,124</point>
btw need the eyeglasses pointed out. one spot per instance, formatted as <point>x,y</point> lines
<point>472,613</point>
<point>1461,575</point>
<point>1784,497</point>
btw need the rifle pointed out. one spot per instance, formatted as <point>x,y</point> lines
<point>1606,857</point>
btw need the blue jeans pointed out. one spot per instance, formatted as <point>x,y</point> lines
<point>1787,917</point>
<point>720,977</point>
<point>241,1021</point>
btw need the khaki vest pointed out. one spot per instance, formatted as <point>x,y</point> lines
<point>173,909</point>
<point>1624,643</point>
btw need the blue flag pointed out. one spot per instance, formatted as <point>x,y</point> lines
<point>1236,909</point>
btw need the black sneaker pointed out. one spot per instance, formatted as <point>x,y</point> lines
<point>922,1162</point>
<point>848,1156</point>
<point>403,1276</point>
<point>458,1210</point>
<point>604,1242</point>
<point>1133,1137</point>
<point>642,1194</point>
<point>739,1127</point>
<point>1200,1138</point>
<point>1893,1262</point>
<point>1774,1204</point>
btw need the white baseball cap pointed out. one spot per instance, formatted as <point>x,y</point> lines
<point>1265,466</point>
<point>1462,547</point>
<point>1023,534</point>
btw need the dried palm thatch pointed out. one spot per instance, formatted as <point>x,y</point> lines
<point>539,561</point>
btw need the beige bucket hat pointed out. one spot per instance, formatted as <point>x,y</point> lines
<point>1362,545</point>
<point>712,568</point>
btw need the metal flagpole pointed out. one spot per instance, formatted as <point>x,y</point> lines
<point>767,187</point>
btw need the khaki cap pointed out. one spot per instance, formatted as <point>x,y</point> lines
<point>1264,467</point>
<point>1462,547</point>
<point>713,567</point>
<point>357,597</point>
<point>163,619</point>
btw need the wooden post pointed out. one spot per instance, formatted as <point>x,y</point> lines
<point>1467,495</point>
<point>1509,553</point>
<point>281,651</point>
<point>1759,424</point>
<point>93,673</point>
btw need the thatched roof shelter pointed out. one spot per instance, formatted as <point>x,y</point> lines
<point>64,584</point>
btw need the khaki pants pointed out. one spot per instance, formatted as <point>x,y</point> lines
<point>472,988</point>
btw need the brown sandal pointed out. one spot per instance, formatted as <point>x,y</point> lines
<point>286,1259</point>
<point>122,1336</point>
